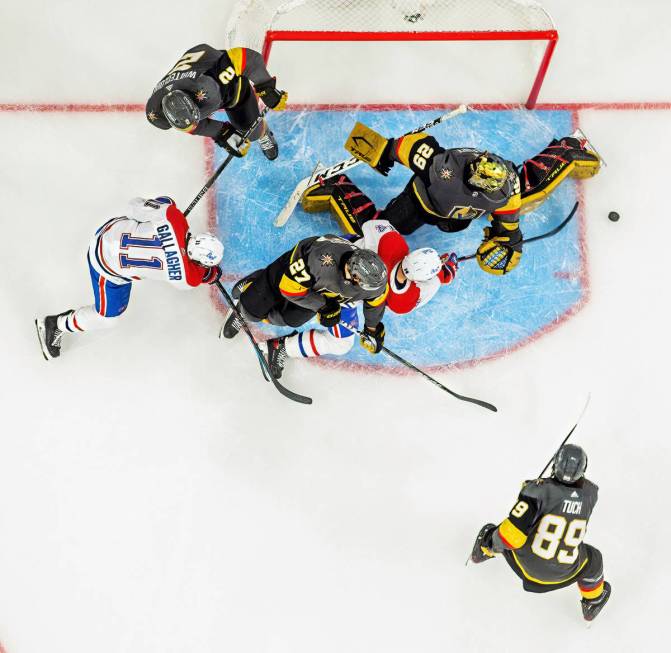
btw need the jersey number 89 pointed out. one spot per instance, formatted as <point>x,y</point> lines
<point>551,530</point>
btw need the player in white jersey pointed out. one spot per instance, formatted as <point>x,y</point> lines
<point>152,241</point>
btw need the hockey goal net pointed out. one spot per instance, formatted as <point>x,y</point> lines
<point>390,51</point>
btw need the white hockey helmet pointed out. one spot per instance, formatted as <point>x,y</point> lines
<point>205,249</point>
<point>421,264</point>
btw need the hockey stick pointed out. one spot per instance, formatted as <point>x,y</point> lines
<point>301,399</point>
<point>570,433</point>
<point>552,232</point>
<point>220,169</point>
<point>435,382</point>
<point>344,166</point>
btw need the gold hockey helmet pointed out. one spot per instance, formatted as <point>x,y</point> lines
<point>488,172</point>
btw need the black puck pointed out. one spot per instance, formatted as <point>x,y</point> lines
<point>613,216</point>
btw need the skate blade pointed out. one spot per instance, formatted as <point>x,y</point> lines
<point>41,336</point>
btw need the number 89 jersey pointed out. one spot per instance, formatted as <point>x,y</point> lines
<point>546,528</point>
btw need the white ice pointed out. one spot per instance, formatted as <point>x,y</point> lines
<point>156,496</point>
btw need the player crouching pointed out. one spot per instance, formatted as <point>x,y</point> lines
<point>542,538</point>
<point>151,242</point>
<point>321,277</point>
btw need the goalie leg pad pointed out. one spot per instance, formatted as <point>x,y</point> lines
<point>348,205</point>
<point>541,174</point>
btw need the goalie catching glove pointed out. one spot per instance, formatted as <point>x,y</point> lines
<point>370,147</point>
<point>372,339</point>
<point>231,140</point>
<point>271,97</point>
<point>501,249</point>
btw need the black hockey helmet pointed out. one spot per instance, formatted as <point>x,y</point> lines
<point>367,270</point>
<point>569,464</point>
<point>180,110</point>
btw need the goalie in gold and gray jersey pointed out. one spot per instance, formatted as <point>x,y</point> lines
<point>542,537</point>
<point>452,187</point>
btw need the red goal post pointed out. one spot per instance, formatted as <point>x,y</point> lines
<point>259,24</point>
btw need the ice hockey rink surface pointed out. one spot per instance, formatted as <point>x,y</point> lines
<point>157,496</point>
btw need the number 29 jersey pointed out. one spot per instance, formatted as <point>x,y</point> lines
<point>544,531</point>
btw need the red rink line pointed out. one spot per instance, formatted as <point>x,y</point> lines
<point>544,106</point>
<point>75,108</point>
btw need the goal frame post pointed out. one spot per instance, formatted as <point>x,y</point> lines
<point>551,36</point>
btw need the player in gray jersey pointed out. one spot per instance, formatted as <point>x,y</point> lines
<point>542,537</point>
<point>315,278</point>
<point>205,80</point>
<point>452,187</point>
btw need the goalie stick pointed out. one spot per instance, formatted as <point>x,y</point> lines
<point>345,165</point>
<point>408,364</point>
<point>265,368</point>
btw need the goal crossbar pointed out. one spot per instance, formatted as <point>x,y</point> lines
<point>551,36</point>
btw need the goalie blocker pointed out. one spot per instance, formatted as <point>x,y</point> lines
<point>452,187</point>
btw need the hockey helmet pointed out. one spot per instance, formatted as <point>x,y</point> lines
<point>367,270</point>
<point>180,110</point>
<point>569,464</point>
<point>421,264</point>
<point>488,172</point>
<point>205,249</point>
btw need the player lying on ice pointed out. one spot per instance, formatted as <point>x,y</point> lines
<point>151,242</point>
<point>542,538</point>
<point>205,80</point>
<point>321,276</point>
<point>452,187</point>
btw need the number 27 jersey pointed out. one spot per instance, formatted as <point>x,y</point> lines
<point>546,528</point>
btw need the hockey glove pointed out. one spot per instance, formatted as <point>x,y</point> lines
<point>501,249</point>
<point>212,275</point>
<point>329,314</point>
<point>372,339</point>
<point>450,267</point>
<point>231,140</point>
<point>276,100</point>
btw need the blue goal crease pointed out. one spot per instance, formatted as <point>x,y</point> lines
<point>478,315</point>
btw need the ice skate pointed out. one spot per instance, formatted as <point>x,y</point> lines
<point>50,335</point>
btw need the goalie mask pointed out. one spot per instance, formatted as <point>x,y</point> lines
<point>421,264</point>
<point>488,173</point>
<point>205,249</point>
<point>180,110</point>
